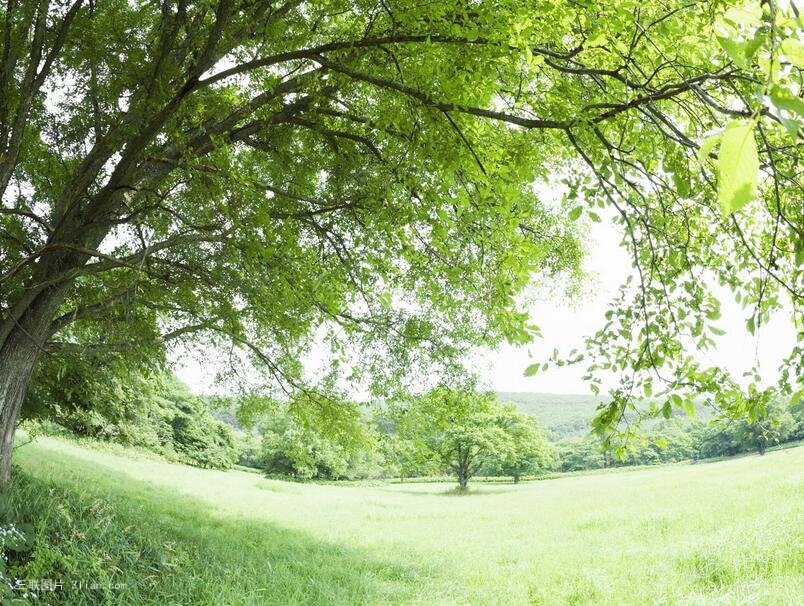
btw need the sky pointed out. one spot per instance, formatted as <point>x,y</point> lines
<point>564,324</point>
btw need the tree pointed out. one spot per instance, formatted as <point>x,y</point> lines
<point>458,428</point>
<point>711,207</point>
<point>402,459</point>
<point>772,423</point>
<point>526,450</point>
<point>111,400</point>
<point>297,444</point>
<point>290,450</point>
<point>250,172</point>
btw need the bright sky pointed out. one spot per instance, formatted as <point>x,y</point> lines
<point>564,325</point>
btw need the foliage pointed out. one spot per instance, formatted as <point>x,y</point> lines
<point>774,424</point>
<point>769,421</point>
<point>310,449</point>
<point>682,439</point>
<point>197,437</point>
<point>797,412</point>
<point>712,207</point>
<point>464,431</point>
<point>294,451</point>
<point>527,451</point>
<point>110,398</point>
<point>257,174</point>
<point>113,401</point>
<point>15,542</point>
<point>403,459</point>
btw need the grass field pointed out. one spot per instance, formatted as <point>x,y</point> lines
<point>727,533</point>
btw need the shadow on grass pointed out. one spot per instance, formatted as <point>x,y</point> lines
<point>456,491</point>
<point>111,539</point>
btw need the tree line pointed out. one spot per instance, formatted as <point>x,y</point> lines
<point>251,175</point>
<point>448,431</point>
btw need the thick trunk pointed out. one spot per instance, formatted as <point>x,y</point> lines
<point>16,363</point>
<point>463,479</point>
<point>18,354</point>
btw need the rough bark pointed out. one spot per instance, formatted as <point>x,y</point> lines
<point>18,354</point>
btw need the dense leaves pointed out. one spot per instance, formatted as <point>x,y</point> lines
<point>462,431</point>
<point>294,449</point>
<point>686,440</point>
<point>263,174</point>
<point>113,402</point>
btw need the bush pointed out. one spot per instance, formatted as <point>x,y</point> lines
<point>133,407</point>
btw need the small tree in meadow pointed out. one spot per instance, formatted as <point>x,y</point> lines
<point>461,429</point>
<point>526,450</point>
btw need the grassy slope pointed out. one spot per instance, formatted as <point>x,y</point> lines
<point>721,533</point>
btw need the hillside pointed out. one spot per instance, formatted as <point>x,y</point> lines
<point>566,415</point>
<point>561,414</point>
<point>149,532</point>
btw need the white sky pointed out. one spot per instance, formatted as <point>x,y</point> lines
<point>564,325</point>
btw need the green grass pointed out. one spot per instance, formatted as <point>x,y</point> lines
<point>723,533</point>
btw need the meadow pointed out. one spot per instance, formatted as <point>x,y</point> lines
<point>149,532</point>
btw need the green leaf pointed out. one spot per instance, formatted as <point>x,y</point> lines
<point>738,166</point>
<point>532,370</point>
<point>713,314</point>
<point>791,126</point>
<point>735,50</point>
<point>793,49</point>
<point>708,145</point>
<point>800,250</point>
<point>575,213</point>
<point>689,408</point>
<point>785,99</point>
<point>747,15</point>
<point>681,181</point>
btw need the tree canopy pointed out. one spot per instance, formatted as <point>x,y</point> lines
<point>526,451</point>
<point>255,173</point>
<point>463,431</point>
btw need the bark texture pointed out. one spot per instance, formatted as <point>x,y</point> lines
<point>22,346</point>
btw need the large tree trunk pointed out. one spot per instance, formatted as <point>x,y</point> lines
<point>463,478</point>
<point>16,363</point>
<point>18,354</point>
